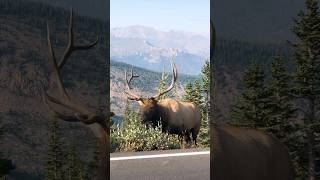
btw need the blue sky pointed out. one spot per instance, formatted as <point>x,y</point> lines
<point>185,15</point>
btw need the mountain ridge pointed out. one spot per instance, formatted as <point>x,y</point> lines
<point>150,48</point>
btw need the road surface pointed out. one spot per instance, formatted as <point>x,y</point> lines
<point>186,164</point>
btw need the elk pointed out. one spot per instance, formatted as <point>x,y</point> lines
<point>243,153</point>
<point>176,117</point>
<point>96,121</point>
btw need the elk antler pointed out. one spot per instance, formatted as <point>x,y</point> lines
<point>71,46</point>
<point>174,78</point>
<point>131,96</point>
<point>81,114</point>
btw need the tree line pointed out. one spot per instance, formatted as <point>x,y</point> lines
<point>287,105</point>
<point>63,161</point>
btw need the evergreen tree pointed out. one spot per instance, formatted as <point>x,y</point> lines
<point>94,165</point>
<point>281,108</point>
<point>280,119</point>
<point>6,165</point>
<point>55,156</point>
<point>194,94</point>
<point>189,93</point>
<point>197,97</point>
<point>205,76</point>
<point>307,83</point>
<point>252,107</point>
<point>75,169</point>
<point>72,163</point>
<point>204,137</point>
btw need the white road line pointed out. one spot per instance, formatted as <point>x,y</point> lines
<point>159,156</point>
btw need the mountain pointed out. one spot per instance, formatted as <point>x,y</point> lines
<point>152,49</point>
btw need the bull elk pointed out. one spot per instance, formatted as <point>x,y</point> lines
<point>246,154</point>
<point>181,118</point>
<point>96,121</point>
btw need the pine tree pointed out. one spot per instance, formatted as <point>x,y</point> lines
<point>281,108</point>
<point>307,82</point>
<point>94,164</point>
<point>204,138</point>
<point>197,97</point>
<point>6,165</point>
<point>205,76</point>
<point>72,170</point>
<point>189,93</point>
<point>194,93</point>
<point>55,156</point>
<point>200,101</point>
<point>280,120</point>
<point>252,107</point>
<point>75,169</point>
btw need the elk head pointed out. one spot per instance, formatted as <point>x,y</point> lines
<point>97,121</point>
<point>149,108</point>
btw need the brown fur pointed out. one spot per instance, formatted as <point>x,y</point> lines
<point>176,117</point>
<point>247,154</point>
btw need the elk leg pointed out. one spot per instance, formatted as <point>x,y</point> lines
<point>187,138</point>
<point>180,137</point>
<point>194,136</point>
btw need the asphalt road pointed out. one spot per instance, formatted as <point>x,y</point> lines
<point>186,164</point>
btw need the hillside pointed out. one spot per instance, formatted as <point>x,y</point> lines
<point>25,74</point>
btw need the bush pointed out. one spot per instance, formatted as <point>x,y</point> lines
<point>133,136</point>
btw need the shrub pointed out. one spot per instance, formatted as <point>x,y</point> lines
<point>133,136</point>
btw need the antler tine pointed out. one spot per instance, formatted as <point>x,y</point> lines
<point>88,118</point>
<point>174,79</point>
<point>132,96</point>
<point>132,76</point>
<point>71,47</point>
<point>68,104</point>
<point>53,60</point>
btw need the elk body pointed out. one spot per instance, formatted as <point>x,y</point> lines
<point>181,118</point>
<point>246,154</point>
<point>96,121</point>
